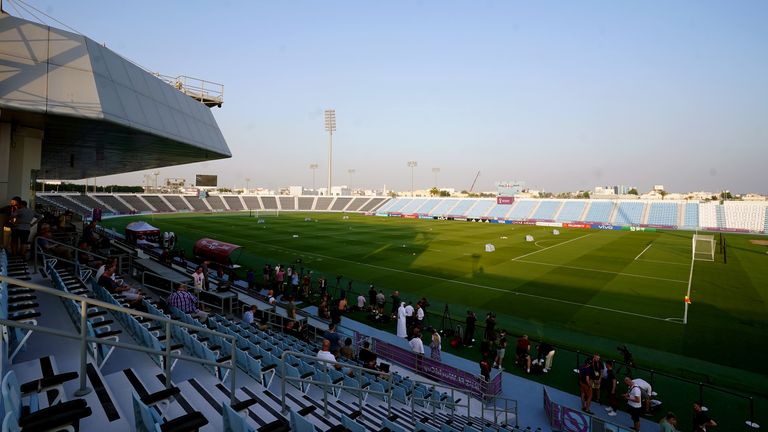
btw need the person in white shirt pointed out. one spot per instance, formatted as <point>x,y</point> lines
<point>417,346</point>
<point>419,316</point>
<point>409,317</point>
<point>326,354</point>
<point>199,280</point>
<point>361,302</point>
<point>249,314</point>
<point>634,401</point>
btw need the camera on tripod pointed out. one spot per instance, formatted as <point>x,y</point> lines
<point>628,359</point>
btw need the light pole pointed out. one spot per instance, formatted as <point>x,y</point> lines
<point>412,165</point>
<point>435,171</point>
<point>313,167</point>
<point>350,171</point>
<point>247,183</point>
<point>330,127</point>
<point>156,173</point>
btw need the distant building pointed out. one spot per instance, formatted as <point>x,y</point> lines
<point>295,190</point>
<point>658,188</point>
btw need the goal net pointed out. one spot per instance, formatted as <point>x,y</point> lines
<point>703,247</point>
<point>265,213</point>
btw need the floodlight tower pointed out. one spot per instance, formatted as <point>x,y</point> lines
<point>412,165</point>
<point>313,167</point>
<point>350,171</point>
<point>247,183</point>
<point>330,127</point>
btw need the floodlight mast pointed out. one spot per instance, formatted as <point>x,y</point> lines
<point>330,127</point>
<point>313,167</point>
<point>412,165</point>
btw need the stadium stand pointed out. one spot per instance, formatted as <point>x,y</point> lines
<point>233,201</point>
<point>481,208</point>
<point>571,211</point>
<point>629,213</point>
<point>323,203</point>
<point>708,215</point>
<point>413,206</point>
<point>158,203</point>
<point>599,211</point>
<point>720,216</point>
<point>395,205</point>
<point>373,203</point>
<point>357,203</point>
<point>521,210</point>
<point>429,206</point>
<point>766,222</point>
<point>691,218</point>
<point>269,202</point>
<point>462,207</point>
<point>115,204</point>
<point>661,213</point>
<point>340,203</point>
<point>306,203</point>
<point>499,211</point>
<point>196,203</point>
<point>215,202</point>
<point>136,203</point>
<point>85,201</point>
<point>744,215</point>
<point>287,203</point>
<point>252,203</point>
<point>547,210</point>
<point>442,208</point>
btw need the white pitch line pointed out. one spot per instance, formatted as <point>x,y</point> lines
<point>662,262</point>
<point>604,271</point>
<point>469,283</point>
<point>641,253</point>
<point>549,247</point>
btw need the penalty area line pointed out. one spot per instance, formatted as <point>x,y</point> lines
<point>550,247</point>
<point>641,253</point>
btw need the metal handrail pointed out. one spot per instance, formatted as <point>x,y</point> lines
<point>85,339</point>
<point>454,390</point>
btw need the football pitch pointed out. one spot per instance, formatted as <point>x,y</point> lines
<point>582,289</point>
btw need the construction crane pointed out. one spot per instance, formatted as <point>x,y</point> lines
<point>474,181</point>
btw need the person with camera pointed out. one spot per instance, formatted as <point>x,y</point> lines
<point>634,400</point>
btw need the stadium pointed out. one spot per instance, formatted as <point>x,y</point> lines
<point>670,291</point>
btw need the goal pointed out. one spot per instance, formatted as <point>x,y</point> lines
<point>703,247</point>
<point>265,213</point>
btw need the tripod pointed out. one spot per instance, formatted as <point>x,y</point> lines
<point>447,330</point>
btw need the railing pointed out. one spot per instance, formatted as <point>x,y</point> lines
<point>37,252</point>
<point>199,89</point>
<point>84,339</point>
<point>358,371</point>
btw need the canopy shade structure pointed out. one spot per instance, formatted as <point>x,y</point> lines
<point>140,229</point>
<point>217,251</point>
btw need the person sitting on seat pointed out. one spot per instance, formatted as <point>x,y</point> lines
<point>250,314</point>
<point>367,357</point>
<point>133,295</point>
<point>186,302</point>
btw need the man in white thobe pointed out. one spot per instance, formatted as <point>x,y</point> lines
<point>401,329</point>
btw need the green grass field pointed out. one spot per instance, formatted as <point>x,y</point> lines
<point>583,289</point>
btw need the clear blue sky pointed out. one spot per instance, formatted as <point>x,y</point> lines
<point>563,95</point>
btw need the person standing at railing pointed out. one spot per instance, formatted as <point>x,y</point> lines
<point>402,329</point>
<point>435,346</point>
<point>395,303</point>
<point>701,420</point>
<point>417,346</point>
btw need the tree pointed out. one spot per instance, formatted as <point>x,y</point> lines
<point>633,191</point>
<point>434,191</point>
<point>726,195</point>
<point>585,194</point>
<point>392,194</point>
<point>445,193</point>
<point>663,193</point>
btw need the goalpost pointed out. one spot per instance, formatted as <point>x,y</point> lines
<point>703,247</point>
<point>265,213</point>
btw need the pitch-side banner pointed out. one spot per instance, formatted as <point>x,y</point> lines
<point>505,200</point>
<point>550,224</point>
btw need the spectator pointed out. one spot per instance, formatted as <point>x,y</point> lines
<point>417,346</point>
<point>436,345</point>
<point>419,316</point>
<point>326,354</point>
<point>402,327</point>
<point>334,339</point>
<point>295,283</point>
<point>634,401</point>
<point>250,277</point>
<point>323,285</point>
<point>585,385</point>
<point>597,376</point>
<point>361,302</point>
<point>395,303</point>
<point>409,317</point>
<point>544,356</point>
<point>367,357</point>
<point>290,309</point>
<point>371,297</point>
<point>250,314</point>
<point>265,274</point>
<point>346,351</point>
<point>523,351</point>
<point>186,302</point>
<point>610,382</point>
<point>22,219</point>
<point>485,368</point>
<point>133,295</point>
<point>322,310</point>
<point>502,349</point>
<point>264,323</point>
<point>199,280</point>
<point>490,327</point>
<point>381,300</point>
<point>669,423</point>
<point>701,420</point>
<point>469,332</point>
<point>646,392</point>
